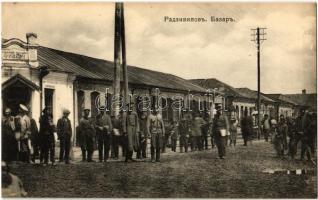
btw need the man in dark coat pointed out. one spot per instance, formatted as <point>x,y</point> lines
<point>87,136</point>
<point>131,130</point>
<point>104,129</point>
<point>9,142</point>
<point>35,140</point>
<point>280,140</point>
<point>246,127</point>
<point>220,130</point>
<point>47,136</point>
<point>143,137</point>
<point>64,132</point>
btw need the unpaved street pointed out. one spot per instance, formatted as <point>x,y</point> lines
<point>195,174</point>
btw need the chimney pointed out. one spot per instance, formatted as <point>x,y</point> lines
<point>31,38</point>
<point>303,91</point>
<point>32,49</point>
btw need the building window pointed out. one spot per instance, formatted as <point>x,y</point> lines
<point>80,104</point>
<point>94,106</point>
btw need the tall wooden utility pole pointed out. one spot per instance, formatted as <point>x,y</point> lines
<point>123,46</point>
<point>117,55</point>
<point>258,37</point>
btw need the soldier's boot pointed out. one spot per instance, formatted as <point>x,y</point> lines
<point>158,156</point>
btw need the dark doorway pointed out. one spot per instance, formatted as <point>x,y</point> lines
<point>16,94</point>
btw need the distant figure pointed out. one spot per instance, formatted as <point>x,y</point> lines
<point>64,132</point>
<point>184,129</point>
<point>197,124</point>
<point>266,126</point>
<point>47,129</point>
<point>246,127</point>
<point>9,142</point>
<point>233,131</point>
<point>220,131</point>
<point>280,140</point>
<point>87,136</point>
<point>174,136</point>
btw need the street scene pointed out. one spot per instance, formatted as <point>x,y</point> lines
<point>152,100</point>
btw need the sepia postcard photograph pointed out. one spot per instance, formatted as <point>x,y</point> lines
<point>159,100</point>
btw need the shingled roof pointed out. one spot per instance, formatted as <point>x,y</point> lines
<point>93,68</point>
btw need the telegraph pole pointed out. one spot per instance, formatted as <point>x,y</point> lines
<point>117,56</point>
<point>258,37</point>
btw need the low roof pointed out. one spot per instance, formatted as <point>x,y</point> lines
<point>282,99</point>
<point>253,94</point>
<point>212,83</point>
<point>306,100</point>
<point>93,68</point>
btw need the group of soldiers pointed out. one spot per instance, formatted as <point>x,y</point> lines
<point>131,131</point>
<point>300,130</point>
<point>23,141</point>
<point>128,130</point>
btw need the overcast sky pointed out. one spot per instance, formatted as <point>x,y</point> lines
<point>189,50</point>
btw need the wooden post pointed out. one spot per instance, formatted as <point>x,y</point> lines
<point>117,57</point>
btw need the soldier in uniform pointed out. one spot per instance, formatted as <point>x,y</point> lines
<point>220,130</point>
<point>47,136</point>
<point>104,128</point>
<point>280,140</point>
<point>87,136</point>
<point>131,130</point>
<point>184,135</point>
<point>143,136</point>
<point>156,128</point>
<point>64,132</point>
<point>23,133</point>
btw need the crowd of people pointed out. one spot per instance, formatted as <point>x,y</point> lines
<point>288,133</point>
<point>23,141</point>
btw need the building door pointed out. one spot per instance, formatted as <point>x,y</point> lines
<point>48,99</point>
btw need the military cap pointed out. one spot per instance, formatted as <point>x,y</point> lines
<point>24,108</point>
<point>66,111</point>
<point>86,109</point>
<point>8,110</point>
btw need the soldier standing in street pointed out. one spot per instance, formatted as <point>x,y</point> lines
<point>47,136</point>
<point>143,136</point>
<point>156,128</point>
<point>116,133</point>
<point>64,133</point>
<point>220,130</point>
<point>87,136</point>
<point>131,130</point>
<point>184,135</point>
<point>104,128</point>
